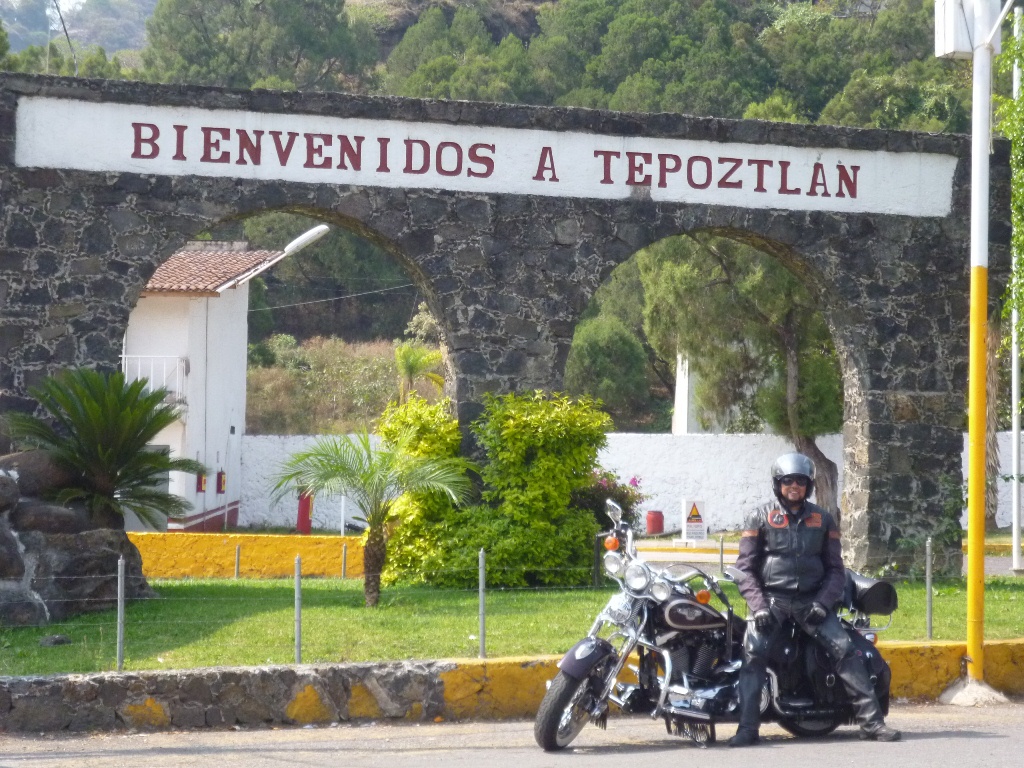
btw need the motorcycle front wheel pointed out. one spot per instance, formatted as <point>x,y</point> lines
<point>810,728</point>
<point>564,711</point>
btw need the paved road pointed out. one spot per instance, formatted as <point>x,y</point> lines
<point>934,735</point>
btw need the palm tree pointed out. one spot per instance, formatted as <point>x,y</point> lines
<point>375,478</point>
<point>98,429</point>
<point>415,361</point>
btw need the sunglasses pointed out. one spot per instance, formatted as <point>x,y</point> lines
<point>794,480</point>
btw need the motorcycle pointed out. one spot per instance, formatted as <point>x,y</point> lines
<point>669,645</point>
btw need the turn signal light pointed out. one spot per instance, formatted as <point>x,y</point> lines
<point>871,637</point>
<point>611,543</point>
<point>703,596</point>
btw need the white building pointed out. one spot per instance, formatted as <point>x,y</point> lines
<point>189,334</point>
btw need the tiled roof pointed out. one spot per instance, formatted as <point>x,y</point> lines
<point>207,267</point>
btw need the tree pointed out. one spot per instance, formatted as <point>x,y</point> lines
<point>754,335</point>
<point>303,44</point>
<point>607,361</point>
<point>416,361</point>
<point>103,427</point>
<point>375,477</point>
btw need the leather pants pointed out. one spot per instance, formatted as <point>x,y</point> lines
<point>850,666</point>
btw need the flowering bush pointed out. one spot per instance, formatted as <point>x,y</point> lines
<point>606,485</point>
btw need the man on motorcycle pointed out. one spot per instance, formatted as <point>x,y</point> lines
<point>791,559</point>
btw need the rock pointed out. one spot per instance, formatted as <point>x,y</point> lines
<point>9,492</point>
<point>73,574</point>
<point>34,515</point>
<point>37,474</point>
<point>11,564</point>
<point>51,641</point>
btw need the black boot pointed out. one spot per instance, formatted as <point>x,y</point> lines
<point>744,738</point>
<point>880,732</point>
<point>854,674</point>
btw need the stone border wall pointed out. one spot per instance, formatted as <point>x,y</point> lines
<point>329,693</point>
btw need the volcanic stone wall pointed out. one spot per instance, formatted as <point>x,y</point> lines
<point>509,275</point>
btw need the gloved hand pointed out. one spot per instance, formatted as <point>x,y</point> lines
<point>816,614</point>
<point>763,620</point>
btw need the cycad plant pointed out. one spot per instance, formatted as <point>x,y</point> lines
<point>415,361</point>
<point>374,477</point>
<point>98,428</point>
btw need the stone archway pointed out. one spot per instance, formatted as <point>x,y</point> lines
<point>101,181</point>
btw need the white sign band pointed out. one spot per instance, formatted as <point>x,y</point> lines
<point>172,141</point>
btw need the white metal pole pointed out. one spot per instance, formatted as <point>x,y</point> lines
<point>1015,357</point>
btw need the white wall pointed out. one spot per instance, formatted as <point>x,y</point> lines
<point>729,473</point>
<point>262,459</point>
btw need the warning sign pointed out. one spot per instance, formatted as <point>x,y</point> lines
<point>694,528</point>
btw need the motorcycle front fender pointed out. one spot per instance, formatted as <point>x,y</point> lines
<point>584,656</point>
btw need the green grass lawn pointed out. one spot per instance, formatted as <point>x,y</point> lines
<point>198,623</point>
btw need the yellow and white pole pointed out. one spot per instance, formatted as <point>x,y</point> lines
<point>980,139</point>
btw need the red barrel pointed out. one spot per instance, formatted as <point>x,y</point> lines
<point>655,522</point>
<point>304,522</point>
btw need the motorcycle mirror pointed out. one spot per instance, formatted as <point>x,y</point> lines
<point>614,511</point>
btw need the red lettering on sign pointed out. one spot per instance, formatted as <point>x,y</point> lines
<point>476,158</point>
<point>315,145</point>
<point>283,151</point>
<point>350,154</point>
<point>847,181</point>
<point>607,155</point>
<point>760,165</point>
<point>424,157</point>
<point>637,162</point>
<point>707,171</point>
<point>546,164</point>
<point>246,146</point>
<point>439,158</point>
<point>211,144</point>
<point>382,166</point>
<point>784,188</point>
<point>179,142</point>
<point>150,141</point>
<point>664,170</point>
<point>818,180</point>
<point>724,183</point>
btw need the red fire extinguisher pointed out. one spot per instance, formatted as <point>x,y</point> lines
<point>222,482</point>
<point>304,523</point>
<point>201,483</point>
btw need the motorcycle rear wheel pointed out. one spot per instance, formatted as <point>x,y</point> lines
<point>563,712</point>
<point>810,728</point>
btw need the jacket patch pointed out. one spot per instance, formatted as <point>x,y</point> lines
<point>778,519</point>
<point>813,520</point>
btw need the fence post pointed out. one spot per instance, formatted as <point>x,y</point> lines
<point>344,561</point>
<point>928,587</point>
<point>298,609</point>
<point>598,544</point>
<point>721,554</point>
<point>120,613</point>
<point>238,558</point>
<point>483,615</point>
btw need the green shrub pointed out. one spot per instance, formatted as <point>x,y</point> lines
<point>417,546</point>
<point>539,450</point>
<point>608,362</point>
<point>606,485</point>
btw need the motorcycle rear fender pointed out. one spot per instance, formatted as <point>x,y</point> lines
<point>584,656</point>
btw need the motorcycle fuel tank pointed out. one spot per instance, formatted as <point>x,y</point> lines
<point>685,613</point>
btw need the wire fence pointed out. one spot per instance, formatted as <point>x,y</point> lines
<point>188,623</point>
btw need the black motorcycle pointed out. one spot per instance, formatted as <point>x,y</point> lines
<point>669,645</point>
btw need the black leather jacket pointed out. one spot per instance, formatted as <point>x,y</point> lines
<point>791,554</point>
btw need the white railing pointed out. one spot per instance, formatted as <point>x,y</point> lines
<point>160,371</point>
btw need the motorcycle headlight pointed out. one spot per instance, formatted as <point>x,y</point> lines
<point>661,591</point>
<point>637,577</point>
<point>613,564</point>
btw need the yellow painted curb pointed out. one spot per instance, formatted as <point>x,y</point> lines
<point>492,689</point>
<point>212,555</point>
